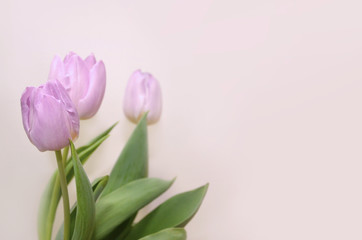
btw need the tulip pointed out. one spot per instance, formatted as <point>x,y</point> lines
<point>143,94</point>
<point>49,116</point>
<point>84,80</point>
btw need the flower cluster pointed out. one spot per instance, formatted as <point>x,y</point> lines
<point>107,207</point>
<point>75,90</point>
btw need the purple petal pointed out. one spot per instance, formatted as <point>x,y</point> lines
<point>135,95</point>
<point>90,61</point>
<point>154,100</point>
<point>90,103</point>
<point>56,69</point>
<point>78,74</point>
<point>50,129</point>
<point>26,108</point>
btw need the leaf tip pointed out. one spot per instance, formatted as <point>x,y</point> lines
<point>173,180</point>
<point>205,188</point>
<point>71,144</point>
<point>114,124</point>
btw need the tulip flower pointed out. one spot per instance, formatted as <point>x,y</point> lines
<point>84,80</point>
<point>49,116</point>
<point>143,94</point>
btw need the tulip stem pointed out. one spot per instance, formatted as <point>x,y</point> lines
<point>65,155</point>
<point>64,187</point>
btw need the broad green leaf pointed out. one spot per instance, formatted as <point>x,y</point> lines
<point>132,163</point>
<point>97,187</point>
<point>122,230</point>
<point>167,234</point>
<point>119,205</point>
<point>52,193</point>
<point>175,212</point>
<point>85,217</point>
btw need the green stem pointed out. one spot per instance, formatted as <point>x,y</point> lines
<point>63,185</point>
<point>65,155</point>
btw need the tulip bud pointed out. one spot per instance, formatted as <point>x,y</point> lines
<point>84,80</point>
<point>143,94</point>
<point>49,116</point>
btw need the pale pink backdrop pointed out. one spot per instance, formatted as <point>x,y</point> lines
<point>261,98</point>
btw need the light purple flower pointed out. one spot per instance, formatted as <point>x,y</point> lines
<point>84,80</point>
<point>143,94</point>
<point>49,116</point>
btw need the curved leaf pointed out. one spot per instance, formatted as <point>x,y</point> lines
<point>52,194</point>
<point>116,207</point>
<point>97,187</point>
<point>175,212</point>
<point>96,139</point>
<point>167,234</point>
<point>85,218</point>
<point>132,163</point>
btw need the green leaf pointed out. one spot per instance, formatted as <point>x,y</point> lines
<point>175,212</point>
<point>97,187</point>
<point>48,204</point>
<point>119,205</point>
<point>52,193</point>
<point>83,157</point>
<point>132,163</point>
<point>167,234</point>
<point>85,218</point>
<point>122,230</point>
<point>96,139</point>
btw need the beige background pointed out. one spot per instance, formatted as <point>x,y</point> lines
<point>261,98</point>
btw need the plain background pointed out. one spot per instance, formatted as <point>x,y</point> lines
<point>261,98</point>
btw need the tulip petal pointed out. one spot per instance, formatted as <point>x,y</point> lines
<point>143,94</point>
<point>49,130</point>
<point>78,74</point>
<point>84,81</point>
<point>56,89</point>
<point>90,103</point>
<point>154,100</point>
<point>134,99</point>
<point>90,61</point>
<point>49,116</point>
<point>56,69</point>
<point>68,57</point>
<point>26,108</point>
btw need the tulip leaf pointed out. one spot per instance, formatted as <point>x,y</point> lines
<point>85,217</point>
<point>175,212</point>
<point>122,230</point>
<point>48,204</point>
<point>119,205</point>
<point>167,234</point>
<point>96,139</point>
<point>52,193</point>
<point>132,163</point>
<point>97,187</point>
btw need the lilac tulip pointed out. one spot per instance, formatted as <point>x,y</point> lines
<point>143,94</point>
<point>49,116</point>
<point>84,80</point>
